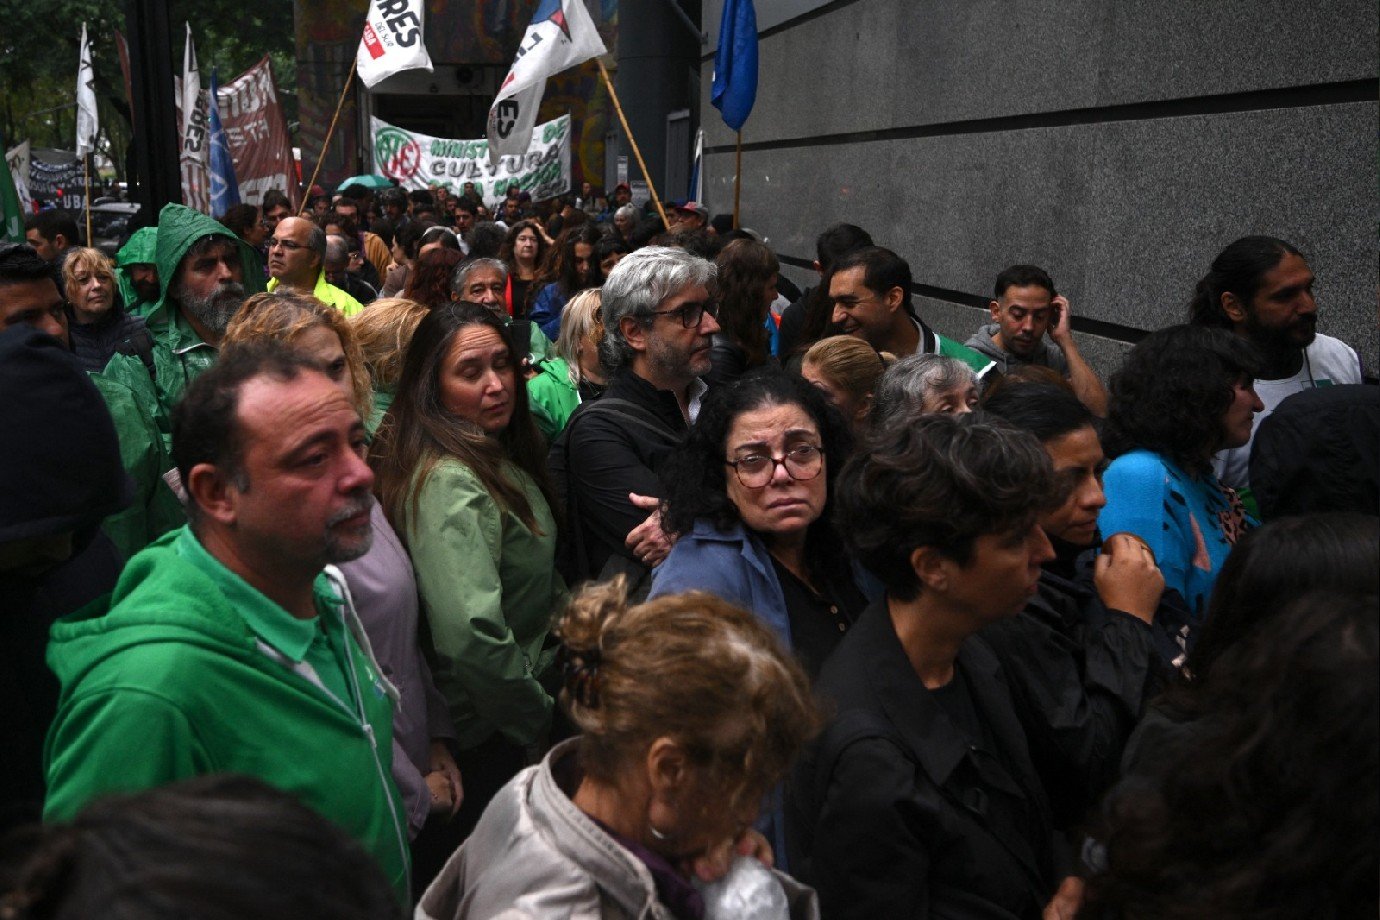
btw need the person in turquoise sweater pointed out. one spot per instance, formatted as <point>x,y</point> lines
<point>1183,394</point>
<point>462,477</point>
<point>230,645</point>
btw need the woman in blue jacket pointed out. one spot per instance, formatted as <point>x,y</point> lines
<point>749,495</point>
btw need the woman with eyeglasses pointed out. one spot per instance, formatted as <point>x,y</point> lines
<point>748,495</point>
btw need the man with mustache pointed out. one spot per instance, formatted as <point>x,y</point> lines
<point>1031,325</point>
<point>231,644</point>
<point>1261,288</point>
<point>205,273</point>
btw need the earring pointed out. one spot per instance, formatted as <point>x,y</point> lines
<point>656,834</point>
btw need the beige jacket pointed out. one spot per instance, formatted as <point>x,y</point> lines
<point>534,854</point>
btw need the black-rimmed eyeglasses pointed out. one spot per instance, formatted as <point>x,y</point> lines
<point>691,313</point>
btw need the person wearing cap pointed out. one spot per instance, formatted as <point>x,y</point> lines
<point>690,215</point>
<point>53,556</point>
<point>622,194</point>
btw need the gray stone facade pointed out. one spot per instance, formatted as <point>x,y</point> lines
<point>1119,145</point>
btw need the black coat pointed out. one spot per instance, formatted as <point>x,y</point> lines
<point>610,448</point>
<point>1079,675</point>
<point>893,813</point>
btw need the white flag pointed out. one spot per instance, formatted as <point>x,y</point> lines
<point>560,36</point>
<point>191,85</point>
<point>392,41</point>
<point>87,122</point>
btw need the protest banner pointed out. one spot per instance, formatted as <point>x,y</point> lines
<point>419,161</point>
<point>256,133</point>
<point>56,176</point>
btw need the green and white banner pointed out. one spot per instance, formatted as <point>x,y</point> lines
<point>419,161</point>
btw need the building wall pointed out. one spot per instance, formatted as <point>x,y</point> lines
<point>1120,145</point>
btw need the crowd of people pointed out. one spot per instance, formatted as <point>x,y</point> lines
<point>568,563</point>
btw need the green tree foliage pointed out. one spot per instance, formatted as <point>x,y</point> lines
<point>38,61</point>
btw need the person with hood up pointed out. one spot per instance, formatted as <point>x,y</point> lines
<point>136,273</point>
<point>205,273</point>
<point>1031,325</point>
<point>53,555</point>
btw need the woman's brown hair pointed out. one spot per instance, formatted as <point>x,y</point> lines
<point>689,667</point>
<point>383,331</point>
<point>417,433</point>
<point>849,363</point>
<point>745,268</point>
<point>282,316</point>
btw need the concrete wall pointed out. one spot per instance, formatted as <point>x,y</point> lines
<point>1120,145</point>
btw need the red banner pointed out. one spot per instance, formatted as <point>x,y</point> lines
<point>258,136</point>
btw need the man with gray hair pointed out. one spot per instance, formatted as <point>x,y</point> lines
<point>485,282</point>
<point>339,270</point>
<point>658,327</point>
<point>297,259</point>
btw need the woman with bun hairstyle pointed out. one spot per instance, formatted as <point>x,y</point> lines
<point>689,711</point>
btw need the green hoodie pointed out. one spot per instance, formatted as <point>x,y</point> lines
<point>187,670</point>
<point>137,250</point>
<point>179,353</point>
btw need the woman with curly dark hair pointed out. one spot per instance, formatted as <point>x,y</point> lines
<point>570,267</point>
<point>1266,804</point>
<point>1183,394</point>
<point>429,281</point>
<point>749,495</point>
<point>747,286</point>
<point>524,250</point>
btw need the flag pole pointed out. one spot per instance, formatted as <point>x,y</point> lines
<point>326,144</point>
<point>737,178</point>
<point>641,164</point>
<point>86,182</point>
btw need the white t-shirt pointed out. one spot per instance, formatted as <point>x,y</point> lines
<point>1327,362</point>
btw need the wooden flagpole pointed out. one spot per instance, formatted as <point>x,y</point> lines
<point>737,178</point>
<point>326,144</point>
<point>86,181</point>
<point>641,164</point>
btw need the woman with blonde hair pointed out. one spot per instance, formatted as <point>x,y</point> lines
<point>689,711</point>
<point>382,582</point>
<point>99,324</point>
<point>572,375</point>
<point>383,332</point>
<point>846,369</point>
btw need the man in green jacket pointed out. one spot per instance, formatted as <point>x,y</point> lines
<point>136,272</point>
<point>205,273</point>
<point>229,645</point>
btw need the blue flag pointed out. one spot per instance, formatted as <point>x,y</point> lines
<point>735,63</point>
<point>225,190</point>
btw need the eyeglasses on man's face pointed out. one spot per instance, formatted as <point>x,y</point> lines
<point>287,245</point>
<point>691,313</point>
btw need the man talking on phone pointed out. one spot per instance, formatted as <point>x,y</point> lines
<point>1031,325</point>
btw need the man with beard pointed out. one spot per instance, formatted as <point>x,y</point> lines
<point>205,272</point>
<point>658,331</point>
<point>1261,288</point>
<point>136,274</point>
<point>231,645</point>
<point>1031,324</point>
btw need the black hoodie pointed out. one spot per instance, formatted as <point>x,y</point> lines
<point>59,477</point>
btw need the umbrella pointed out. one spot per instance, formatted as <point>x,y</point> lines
<point>368,181</point>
